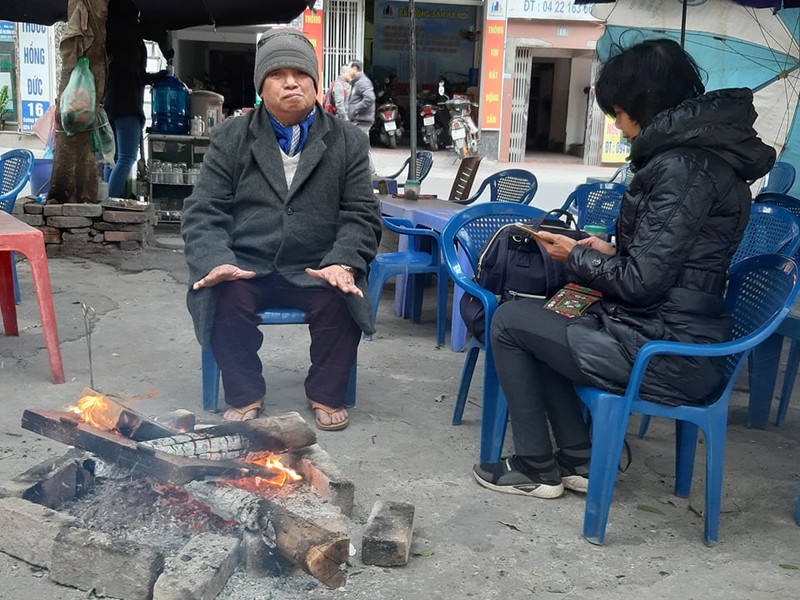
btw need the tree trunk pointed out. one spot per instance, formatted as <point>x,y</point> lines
<point>74,176</point>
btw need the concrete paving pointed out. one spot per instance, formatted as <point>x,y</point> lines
<point>468,542</point>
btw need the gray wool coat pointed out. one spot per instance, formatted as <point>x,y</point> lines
<point>242,213</point>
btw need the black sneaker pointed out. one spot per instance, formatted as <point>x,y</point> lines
<point>575,478</point>
<point>504,477</point>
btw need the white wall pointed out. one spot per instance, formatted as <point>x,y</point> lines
<point>580,78</point>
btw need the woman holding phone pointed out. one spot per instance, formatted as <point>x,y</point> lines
<point>682,217</point>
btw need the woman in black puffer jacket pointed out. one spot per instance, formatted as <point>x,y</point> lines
<point>680,222</point>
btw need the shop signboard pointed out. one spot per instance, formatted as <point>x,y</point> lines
<point>34,56</point>
<point>312,28</point>
<point>552,10</point>
<point>615,148</point>
<point>6,31</point>
<point>494,42</point>
<point>446,39</point>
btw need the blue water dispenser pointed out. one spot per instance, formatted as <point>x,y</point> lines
<point>171,110</point>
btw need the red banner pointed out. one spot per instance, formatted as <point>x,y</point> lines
<point>312,28</point>
<point>492,74</point>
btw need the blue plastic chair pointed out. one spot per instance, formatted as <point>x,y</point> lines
<point>211,371</point>
<point>462,239</point>
<point>15,171</point>
<point>596,204</point>
<point>422,167</point>
<point>509,185</point>
<point>414,262</point>
<point>761,291</point>
<point>790,328</point>
<point>780,179</point>
<point>771,230</point>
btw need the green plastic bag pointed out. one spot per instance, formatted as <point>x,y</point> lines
<point>103,137</point>
<point>77,103</point>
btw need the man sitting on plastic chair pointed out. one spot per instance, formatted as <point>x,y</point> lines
<point>680,222</point>
<point>278,220</point>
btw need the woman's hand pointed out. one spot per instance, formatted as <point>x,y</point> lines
<point>595,243</point>
<point>338,277</point>
<point>556,245</point>
<point>222,273</point>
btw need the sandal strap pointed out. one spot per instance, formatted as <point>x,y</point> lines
<point>324,407</point>
<point>243,410</point>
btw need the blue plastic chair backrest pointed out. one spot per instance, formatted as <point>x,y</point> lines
<point>596,204</point>
<point>623,175</point>
<point>509,185</point>
<point>761,292</point>
<point>771,230</point>
<point>423,164</point>
<point>472,227</point>
<point>15,171</point>
<point>780,179</point>
<point>786,201</point>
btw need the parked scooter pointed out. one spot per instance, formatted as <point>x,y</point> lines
<point>462,129</point>
<point>388,126</point>
<point>430,130</point>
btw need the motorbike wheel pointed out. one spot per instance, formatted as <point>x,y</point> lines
<point>433,142</point>
<point>460,147</point>
<point>392,141</point>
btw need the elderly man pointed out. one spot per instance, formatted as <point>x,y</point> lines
<point>283,216</point>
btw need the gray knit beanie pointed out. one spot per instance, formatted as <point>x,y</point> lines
<point>284,48</point>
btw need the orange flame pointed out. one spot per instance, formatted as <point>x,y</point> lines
<point>273,462</point>
<point>95,410</point>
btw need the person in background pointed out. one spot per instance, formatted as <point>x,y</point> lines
<point>125,82</point>
<point>340,90</point>
<point>681,219</point>
<point>361,104</point>
<point>283,216</point>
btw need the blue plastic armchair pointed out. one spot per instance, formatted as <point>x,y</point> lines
<point>509,185</point>
<point>780,179</point>
<point>422,168</point>
<point>15,171</point>
<point>596,204</point>
<point>414,262</point>
<point>761,291</point>
<point>211,372</point>
<point>769,355</point>
<point>462,239</point>
<point>771,230</point>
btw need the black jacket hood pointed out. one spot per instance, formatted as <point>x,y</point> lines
<point>720,122</point>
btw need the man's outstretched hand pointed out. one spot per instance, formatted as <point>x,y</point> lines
<point>338,278</point>
<point>220,274</point>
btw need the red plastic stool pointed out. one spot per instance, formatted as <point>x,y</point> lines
<point>16,236</point>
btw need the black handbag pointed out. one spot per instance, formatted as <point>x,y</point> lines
<point>512,265</point>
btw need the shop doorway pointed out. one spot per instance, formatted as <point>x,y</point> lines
<point>540,106</point>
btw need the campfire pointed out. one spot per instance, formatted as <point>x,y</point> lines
<point>266,478</point>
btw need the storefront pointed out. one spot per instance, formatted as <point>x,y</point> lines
<point>26,73</point>
<point>549,57</point>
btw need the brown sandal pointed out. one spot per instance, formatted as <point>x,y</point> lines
<point>329,410</point>
<point>243,411</point>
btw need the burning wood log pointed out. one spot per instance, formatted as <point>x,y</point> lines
<point>235,439</point>
<point>106,413</point>
<point>314,537</point>
<point>142,460</point>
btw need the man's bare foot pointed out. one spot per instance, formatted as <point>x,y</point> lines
<point>328,418</point>
<point>243,413</point>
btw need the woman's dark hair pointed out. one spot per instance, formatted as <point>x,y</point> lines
<point>648,78</point>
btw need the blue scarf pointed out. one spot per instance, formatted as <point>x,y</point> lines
<point>286,134</point>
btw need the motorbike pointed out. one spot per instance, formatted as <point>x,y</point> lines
<point>463,130</point>
<point>430,128</point>
<point>388,127</point>
<point>388,124</point>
